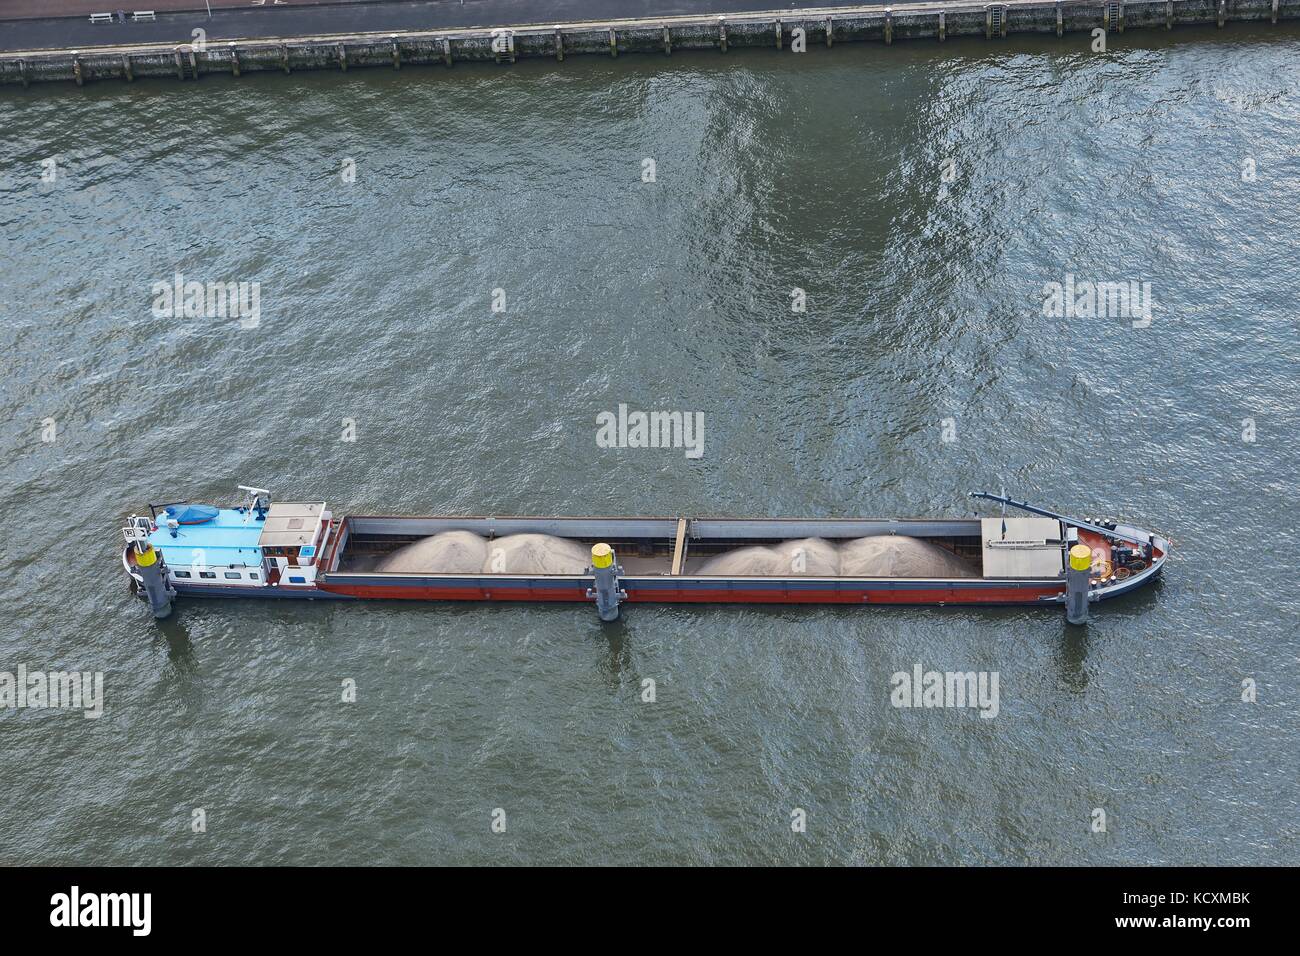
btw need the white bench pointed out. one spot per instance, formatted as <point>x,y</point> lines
<point>101,18</point>
<point>143,15</point>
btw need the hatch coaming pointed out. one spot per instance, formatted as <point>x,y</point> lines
<point>652,548</point>
<point>685,589</point>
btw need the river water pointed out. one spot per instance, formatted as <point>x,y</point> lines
<point>921,197</point>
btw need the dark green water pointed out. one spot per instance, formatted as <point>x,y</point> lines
<point>821,172</point>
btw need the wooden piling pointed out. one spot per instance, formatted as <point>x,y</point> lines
<point>722,34</point>
<point>1169,14</point>
<point>234,60</point>
<point>76,68</point>
<point>446,52</point>
<point>127,73</point>
<point>778,34</point>
<point>613,43</point>
<point>284,57</point>
<point>1060,21</point>
<point>829,31</point>
<point>559,44</point>
<point>889,25</point>
<point>343,58</point>
<point>943,27</point>
<point>397,55</point>
<point>180,64</point>
<point>1223,9</point>
<point>668,42</point>
<point>194,64</point>
<point>1275,11</point>
<point>22,73</point>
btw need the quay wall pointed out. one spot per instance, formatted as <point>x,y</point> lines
<point>663,36</point>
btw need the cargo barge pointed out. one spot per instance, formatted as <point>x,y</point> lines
<point>301,550</point>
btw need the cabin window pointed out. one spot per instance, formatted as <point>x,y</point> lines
<point>252,575</point>
<point>233,575</point>
<point>295,579</point>
<point>182,574</point>
<point>207,574</point>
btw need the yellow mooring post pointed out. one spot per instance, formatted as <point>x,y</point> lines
<point>1076,584</point>
<point>606,592</point>
<point>155,584</point>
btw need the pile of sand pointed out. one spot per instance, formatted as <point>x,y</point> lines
<point>815,557</point>
<point>878,556</point>
<point>812,557</point>
<point>463,552</point>
<point>745,562</point>
<point>898,556</point>
<point>536,554</point>
<point>450,552</point>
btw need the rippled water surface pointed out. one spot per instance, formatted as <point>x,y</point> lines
<point>821,172</point>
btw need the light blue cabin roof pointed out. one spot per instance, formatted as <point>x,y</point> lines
<point>228,539</point>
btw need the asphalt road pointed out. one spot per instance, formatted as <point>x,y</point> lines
<point>293,20</point>
<point>46,9</point>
